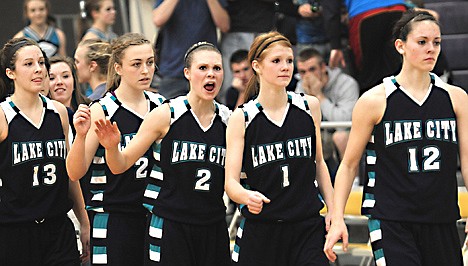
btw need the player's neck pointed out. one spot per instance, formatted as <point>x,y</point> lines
<point>273,99</point>
<point>414,80</point>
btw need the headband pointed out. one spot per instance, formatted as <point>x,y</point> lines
<point>259,52</point>
<point>196,46</point>
<point>14,48</point>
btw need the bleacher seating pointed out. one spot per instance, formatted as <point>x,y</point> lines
<point>454,27</point>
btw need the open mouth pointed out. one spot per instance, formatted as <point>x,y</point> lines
<point>209,86</point>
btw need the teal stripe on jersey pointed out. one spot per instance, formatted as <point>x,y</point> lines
<point>371,179</point>
<point>156,226</point>
<point>156,173</point>
<point>98,177</point>
<point>98,195</point>
<point>152,191</point>
<point>99,255</point>
<point>155,253</point>
<point>149,207</point>
<point>240,230</point>
<point>100,225</point>
<point>235,253</point>
<point>375,232</point>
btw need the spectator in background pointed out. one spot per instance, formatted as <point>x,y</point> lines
<point>40,28</point>
<point>310,31</point>
<point>92,60</point>
<point>242,72</point>
<point>370,28</point>
<point>248,19</point>
<point>102,15</point>
<point>182,23</point>
<point>337,93</point>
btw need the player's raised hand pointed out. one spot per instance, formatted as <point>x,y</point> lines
<point>108,133</point>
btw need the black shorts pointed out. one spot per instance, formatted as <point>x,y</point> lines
<point>49,242</point>
<point>116,238</point>
<point>170,243</point>
<point>280,243</point>
<point>414,244</point>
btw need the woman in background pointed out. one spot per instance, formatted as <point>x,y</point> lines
<point>102,15</point>
<point>92,60</point>
<point>41,28</point>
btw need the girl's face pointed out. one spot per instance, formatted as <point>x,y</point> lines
<point>137,67</point>
<point>30,73</point>
<point>36,12</point>
<point>106,12</point>
<point>276,67</point>
<point>82,66</point>
<point>205,75</point>
<point>422,47</point>
<point>61,83</point>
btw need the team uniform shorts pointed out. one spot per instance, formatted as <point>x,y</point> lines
<point>280,243</point>
<point>46,242</point>
<point>117,238</point>
<point>414,244</point>
<point>171,243</point>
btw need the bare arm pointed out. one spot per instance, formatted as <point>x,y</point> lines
<point>163,12</point>
<point>86,142</point>
<point>19,34</point>
<point>234,151</point>
<point>76,195</point>
<point>219,14</point>
<point>3,126</point>
<point>459,99</point>
<point>154,127</point>
<point>74,191</point>
<point>63,42</point>
<point>367,113</point>
<point>322,176</point>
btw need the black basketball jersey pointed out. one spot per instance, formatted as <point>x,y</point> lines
<point>411,162</point>
<point>105,191</point>
<point>33,177</point>
<point>190,185</point>
<point>279,161</point>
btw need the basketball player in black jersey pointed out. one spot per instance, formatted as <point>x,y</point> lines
<point>187,223</point>
<point>275,140</point>
<point>115,201</point>
<point>35,192</point>
<point>415,125</point>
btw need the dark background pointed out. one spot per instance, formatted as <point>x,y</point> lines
<point>66,12</point>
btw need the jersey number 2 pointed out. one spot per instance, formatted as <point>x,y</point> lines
<point>204,176</point>
<point>431,160</point>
